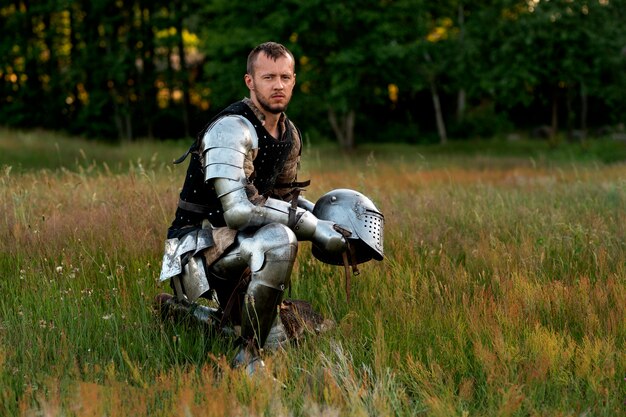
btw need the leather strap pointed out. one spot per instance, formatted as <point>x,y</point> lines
<point>291,222</point>
<point>197,208</point>
<point>294,184</point>
<point>349,258</point>
<point>244,280</point>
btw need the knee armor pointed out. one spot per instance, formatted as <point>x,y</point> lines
<point>271,253</point>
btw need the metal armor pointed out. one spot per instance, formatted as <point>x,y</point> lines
<point>356,213</point>
<point>184,263</point>
<point>225,147</point>
<point>268,233</point>
<point>270,253</point>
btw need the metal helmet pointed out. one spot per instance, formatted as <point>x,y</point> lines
<point>355,212</point>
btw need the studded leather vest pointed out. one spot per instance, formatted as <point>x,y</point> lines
<point>198,200</point>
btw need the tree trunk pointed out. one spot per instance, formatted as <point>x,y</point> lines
<point>30,88</point>
<point>441,126</point>
<point>460,105</point>
<point>74,27</point>
<point>184,75</point>
<point>583,109</point>
<point>146,75</point>
<point>554,125</point>
<point>569,115</point>
<point>129,125</point>
<point>461,96</point>
<point>52,116</point>
<point>343,127</point>
<point>123,118</point>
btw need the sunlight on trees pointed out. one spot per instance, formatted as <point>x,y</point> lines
<point>408,69</point>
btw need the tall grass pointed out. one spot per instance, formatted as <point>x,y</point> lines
<point>503,292</point>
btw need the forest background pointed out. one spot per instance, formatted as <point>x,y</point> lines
<point>502,292</point>
<point>407,71</point>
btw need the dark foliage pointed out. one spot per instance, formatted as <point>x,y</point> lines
<point>402,71</point>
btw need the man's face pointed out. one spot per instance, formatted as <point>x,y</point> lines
<point>272,84</point>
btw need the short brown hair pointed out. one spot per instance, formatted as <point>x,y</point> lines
<point>271,49</point>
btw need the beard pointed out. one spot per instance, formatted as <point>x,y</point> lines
<point>273,109</point>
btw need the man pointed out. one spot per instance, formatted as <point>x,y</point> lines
<point>240,215</point>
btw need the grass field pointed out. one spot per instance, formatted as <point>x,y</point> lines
<point>503,291</point>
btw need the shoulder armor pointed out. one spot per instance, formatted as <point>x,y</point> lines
<point>225,146</point>
<point>232,131</point>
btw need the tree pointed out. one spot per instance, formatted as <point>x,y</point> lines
<point>228,31</point>
<point>21,58</point>
<point>108,68</point>
<point>348,59</point>
<point>421,51</point>
<point>545,49</point>
<point>342,52</point>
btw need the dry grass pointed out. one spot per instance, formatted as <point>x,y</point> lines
<point>503,293</point>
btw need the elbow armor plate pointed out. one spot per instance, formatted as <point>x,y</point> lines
<point>225,145</point>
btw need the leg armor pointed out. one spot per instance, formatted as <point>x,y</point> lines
<point>270,252</point>
<point>192,283</point>
<point>185,265</point>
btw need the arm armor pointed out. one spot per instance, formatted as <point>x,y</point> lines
<point>224,148</point>
<point>305,204</point>
<point>240,213</point>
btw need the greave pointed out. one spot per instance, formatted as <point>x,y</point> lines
<point>258,315</point>
<point>270,254</point>
<point>259,312</point>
